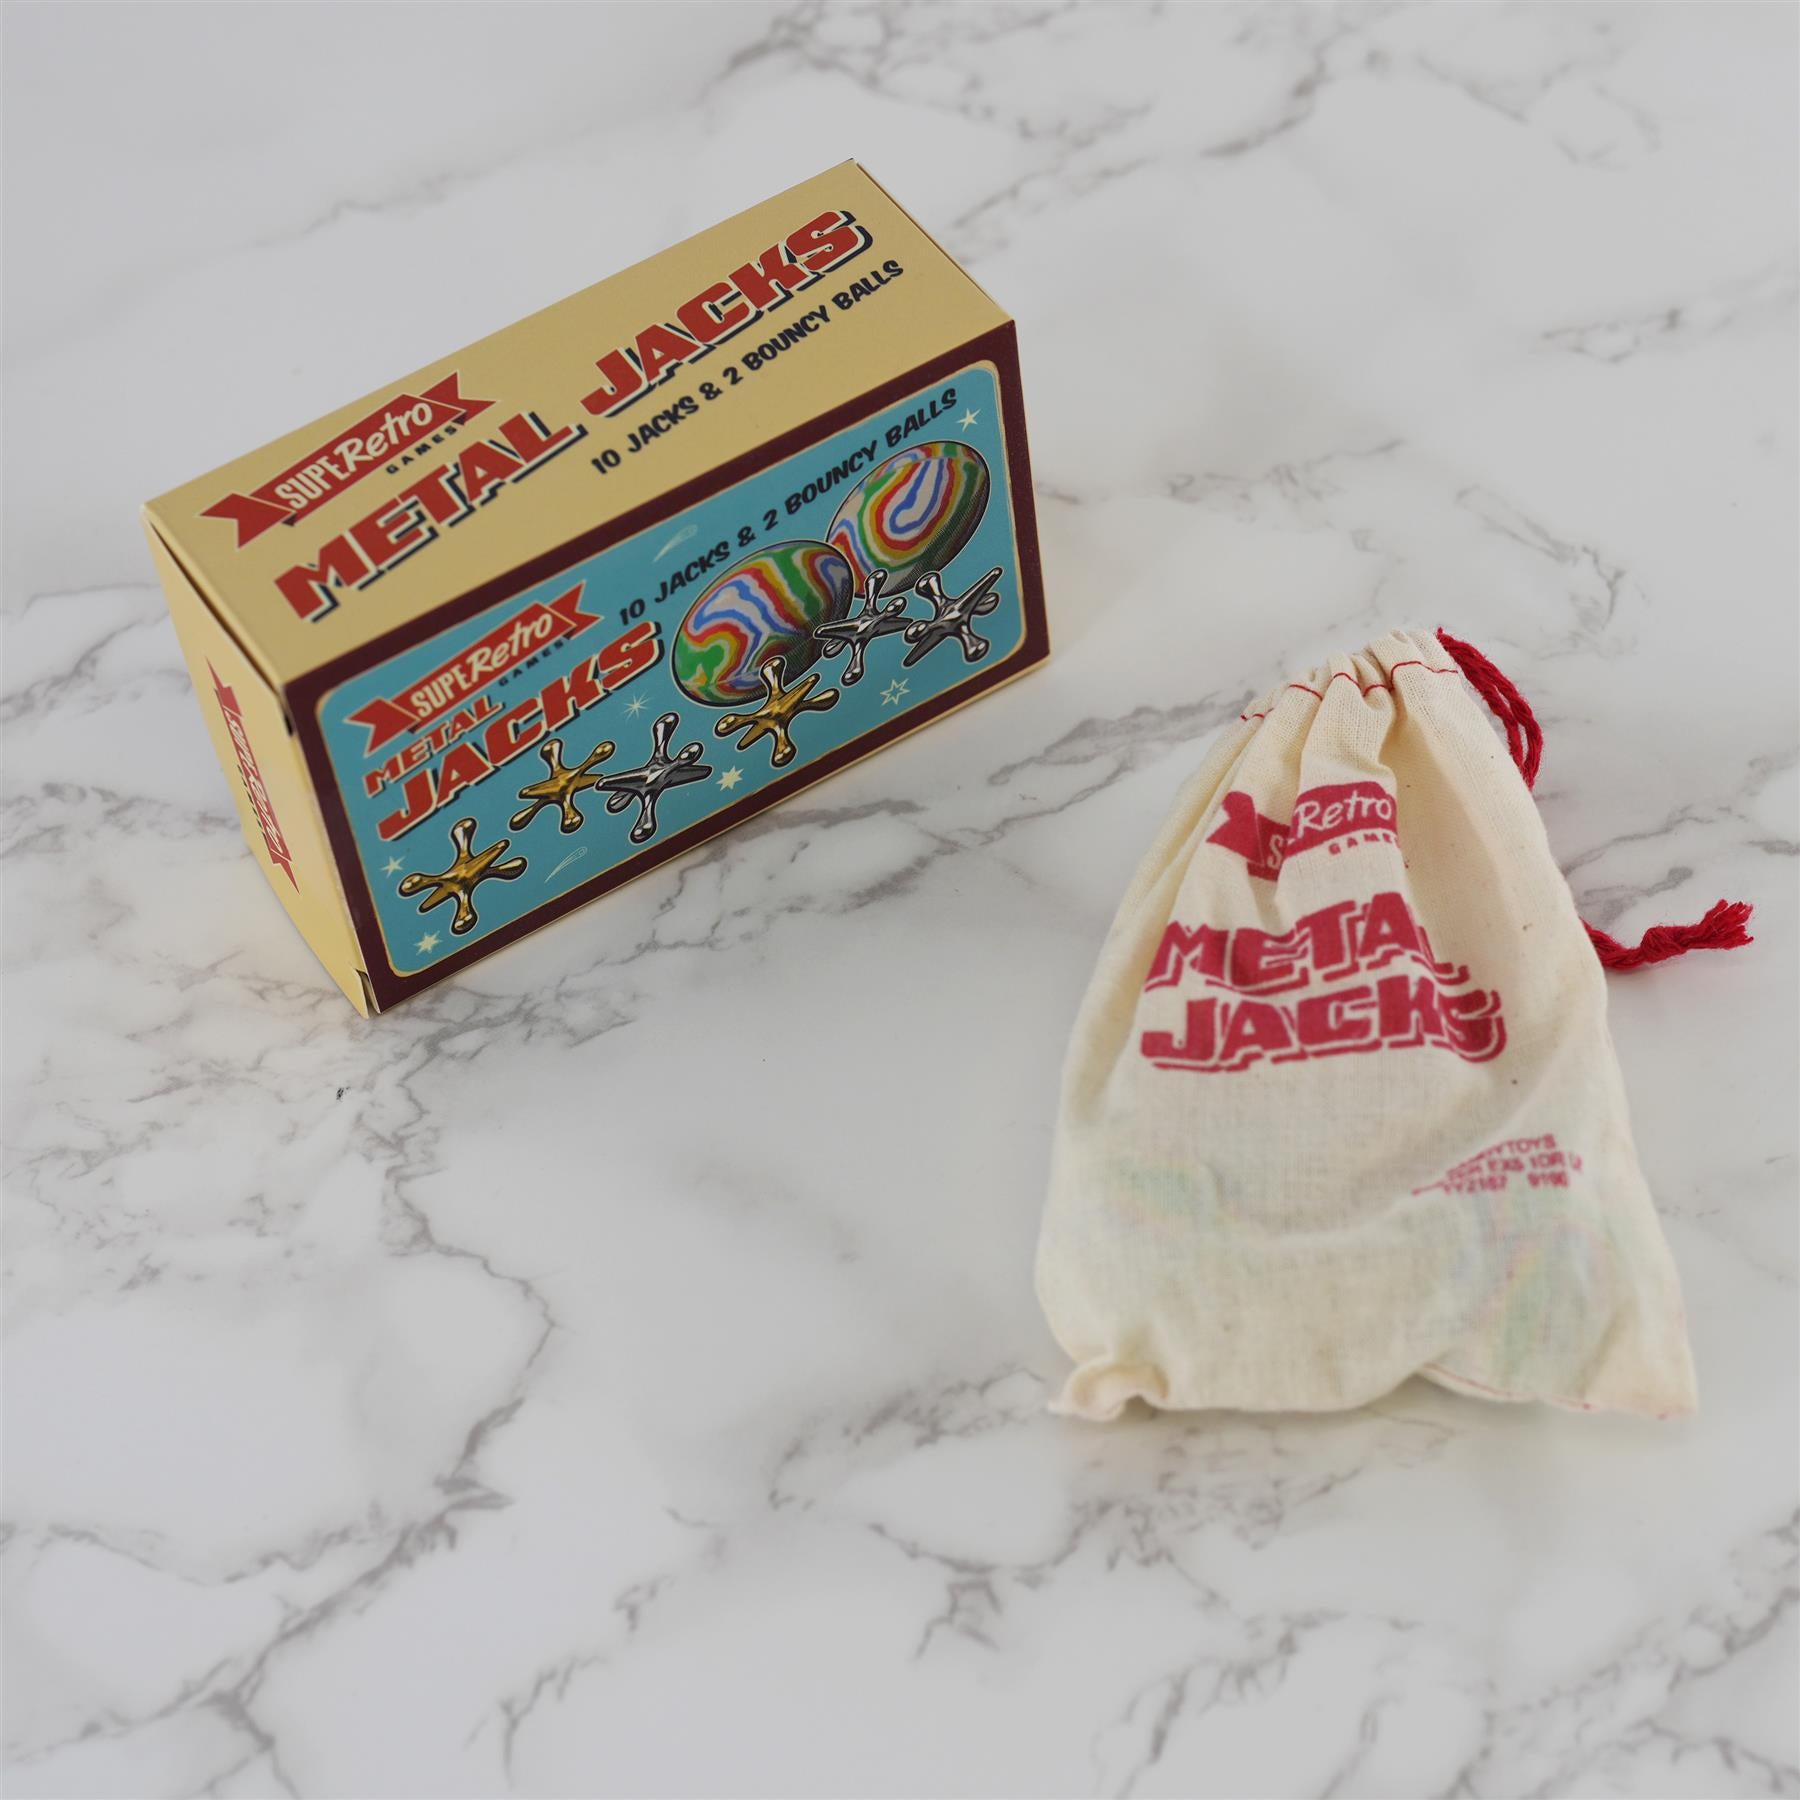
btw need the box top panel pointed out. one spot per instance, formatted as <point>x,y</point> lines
<point>581,415</point>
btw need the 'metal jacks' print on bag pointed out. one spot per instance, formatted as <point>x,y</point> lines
<point>1431,1003</point>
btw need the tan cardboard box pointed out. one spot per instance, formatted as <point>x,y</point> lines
<point>510,631</point>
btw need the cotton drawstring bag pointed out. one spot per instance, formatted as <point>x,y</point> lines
<point>1340,1105</point>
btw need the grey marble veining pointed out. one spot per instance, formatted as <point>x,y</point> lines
<point>617,1371</point>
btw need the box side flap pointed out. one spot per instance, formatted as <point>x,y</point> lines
<point>255,743</point>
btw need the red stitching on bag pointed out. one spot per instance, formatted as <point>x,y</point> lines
<point>1345,675</point>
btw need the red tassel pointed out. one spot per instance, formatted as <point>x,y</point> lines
<point>1723,928</point>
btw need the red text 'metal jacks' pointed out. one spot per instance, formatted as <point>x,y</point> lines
<point>1351,998</point>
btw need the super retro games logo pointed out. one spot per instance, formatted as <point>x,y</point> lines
<point>256,790</point>
<point>371,443</point>
<point>1339,814</point>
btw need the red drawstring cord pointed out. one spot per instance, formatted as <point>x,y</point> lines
<point>1721,929</point>
<point>1723,926</point>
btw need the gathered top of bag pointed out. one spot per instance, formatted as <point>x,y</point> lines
<point>1724,925</point>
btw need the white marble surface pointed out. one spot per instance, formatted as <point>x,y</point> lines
<point>540,1391</point>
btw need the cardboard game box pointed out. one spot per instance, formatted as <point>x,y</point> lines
<point>515,628</point>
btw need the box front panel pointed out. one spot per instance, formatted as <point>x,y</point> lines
<point>653,693</point>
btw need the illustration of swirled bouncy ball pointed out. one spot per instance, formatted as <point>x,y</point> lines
<point>912,512</point>
<point>764,606</point>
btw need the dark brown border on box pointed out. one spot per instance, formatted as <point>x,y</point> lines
<point>1000,347</point>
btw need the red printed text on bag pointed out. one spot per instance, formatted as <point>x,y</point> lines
<point>1355,1000</point>
<point>1322,815</point>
